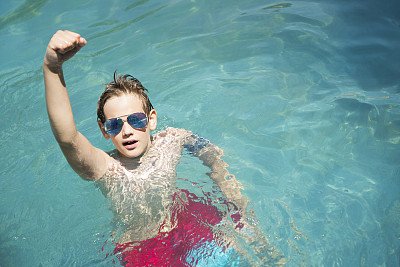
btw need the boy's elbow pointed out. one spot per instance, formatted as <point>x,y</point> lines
<point>66,139</point>
<point>69,144</point>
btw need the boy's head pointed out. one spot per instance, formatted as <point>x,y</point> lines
<point>125,84</point>
<point>126,115</point>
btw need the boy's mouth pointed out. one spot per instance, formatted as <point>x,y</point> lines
<point>130,144</point>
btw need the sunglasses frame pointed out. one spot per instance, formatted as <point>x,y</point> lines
<point>108,131</point>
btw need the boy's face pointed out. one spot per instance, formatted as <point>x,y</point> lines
<point>130,142</point>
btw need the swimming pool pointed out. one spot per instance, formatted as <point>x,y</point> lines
<point>302,96</point>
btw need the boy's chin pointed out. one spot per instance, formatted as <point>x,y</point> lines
<point>132,154</point>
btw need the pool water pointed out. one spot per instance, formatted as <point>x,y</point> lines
<point>302,96</point>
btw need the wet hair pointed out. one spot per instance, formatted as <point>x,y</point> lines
<point>124,84</point>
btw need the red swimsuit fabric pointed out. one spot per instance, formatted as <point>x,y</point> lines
<point>194,221</point>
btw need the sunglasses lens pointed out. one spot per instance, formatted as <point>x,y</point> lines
<point>113,126</point>
<point>137,120</point>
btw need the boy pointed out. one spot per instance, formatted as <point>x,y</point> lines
<point>139,175</point>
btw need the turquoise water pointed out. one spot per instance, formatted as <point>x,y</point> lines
<point>302,96</point>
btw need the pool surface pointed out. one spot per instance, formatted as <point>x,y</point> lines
<point>302,96</point>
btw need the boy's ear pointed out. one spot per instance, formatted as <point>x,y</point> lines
<point>153,120</point>
<point>106,135</point>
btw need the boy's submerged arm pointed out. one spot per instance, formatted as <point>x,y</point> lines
<point>230,187</point>
<point>89,162</point>
<point>211,157</point>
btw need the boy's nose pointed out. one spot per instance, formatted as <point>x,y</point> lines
<point>127,130</point>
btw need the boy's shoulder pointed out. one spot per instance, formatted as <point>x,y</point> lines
<point>177,133</point>
<point>171,139</point>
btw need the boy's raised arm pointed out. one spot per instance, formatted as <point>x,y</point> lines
<point>86,160</point>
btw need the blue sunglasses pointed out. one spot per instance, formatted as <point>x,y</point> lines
<point>136,120</point>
